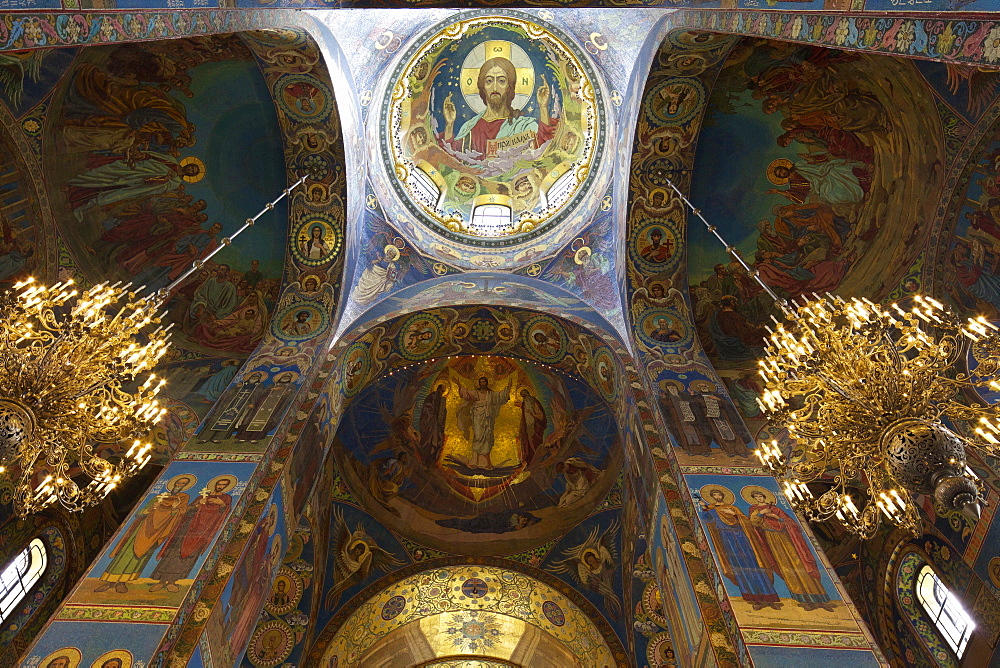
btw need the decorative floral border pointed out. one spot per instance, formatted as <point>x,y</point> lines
<point>113,613</point>
<point>810,638</point>
<point>951,40</point>
<point>32,31</point>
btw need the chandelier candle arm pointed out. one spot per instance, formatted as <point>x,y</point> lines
<point>867,394</point>
<point>71,430</point>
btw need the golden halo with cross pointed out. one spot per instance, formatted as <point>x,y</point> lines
<point>524,83</point>
<point>772,171</point>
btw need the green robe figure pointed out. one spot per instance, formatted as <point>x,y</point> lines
<point>154,525</point>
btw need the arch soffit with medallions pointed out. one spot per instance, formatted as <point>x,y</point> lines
<point>471,592</point>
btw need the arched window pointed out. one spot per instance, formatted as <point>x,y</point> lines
<point>20,576</point>
<point>944,609</point>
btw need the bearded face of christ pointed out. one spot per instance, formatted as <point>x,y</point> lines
<point>496,85</point>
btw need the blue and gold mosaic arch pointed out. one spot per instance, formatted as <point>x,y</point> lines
<point>493,129</point>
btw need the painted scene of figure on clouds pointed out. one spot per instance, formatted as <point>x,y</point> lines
<point>456,452</point>
<point>800,163</point>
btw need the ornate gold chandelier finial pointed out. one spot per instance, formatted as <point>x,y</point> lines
<point>70,404</point>
<point>864,393</point>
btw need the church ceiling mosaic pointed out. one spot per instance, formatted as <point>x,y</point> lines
<point>474,610</point>
<point>492,130</point>
<point>146,160</point>
<point>810,194</point>
<point>494,427</point>
<point>405,65</point>
<point>91,116</point>
<point>456,452</point>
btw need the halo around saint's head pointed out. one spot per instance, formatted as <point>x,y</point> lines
<point>123,657</point>
<point>191,481</point>
<point>524,80</point>
<point>197,176</point>
<point>772,171</point>
<point>230,480</point>
<point>749,490</point>
<point>71,657</point>
<point>727,494</point>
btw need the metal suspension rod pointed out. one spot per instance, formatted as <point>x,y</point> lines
<point>755,274</point>
<point>163,294</point>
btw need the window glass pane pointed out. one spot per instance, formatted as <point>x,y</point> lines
<point>20,575</point>
<point>944,609</point>
<point>425,186</point>
<point>491,220</point>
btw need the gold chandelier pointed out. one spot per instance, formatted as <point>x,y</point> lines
<point>63,402</point>
<point>72,412</point>
<point>864,393</point>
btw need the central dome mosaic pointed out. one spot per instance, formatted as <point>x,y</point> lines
<point>492,129</point>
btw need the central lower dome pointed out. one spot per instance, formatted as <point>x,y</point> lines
<point>478,454</point>
<point>492,129</point>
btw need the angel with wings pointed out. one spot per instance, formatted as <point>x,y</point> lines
<point>658,294</point>
<point>356,555</point>
<point>592,565</point>
<point>389,259</point>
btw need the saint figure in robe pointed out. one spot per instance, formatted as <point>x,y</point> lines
<point>499,120</point>
<point>478,419</point>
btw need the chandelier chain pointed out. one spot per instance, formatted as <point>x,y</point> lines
<point>868,396</point>
<point>73,414</point>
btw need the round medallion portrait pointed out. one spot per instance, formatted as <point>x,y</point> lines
<point>493,128</point>
<point>661,327</point>
<point>675,100</point>
<point>660,650</point>
<point>271,643</point>
<point>420,336</point>
<point>286,592</point>
<point>546,339</point>
<point>300,321</point>
<point>303,97</point>
<point>655,246</point>
<point>316,240</point>
<point>354,372</point>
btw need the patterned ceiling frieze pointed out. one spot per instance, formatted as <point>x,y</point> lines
<point>38,31</point>
<point>446,564</point>
<point>959,40</point>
